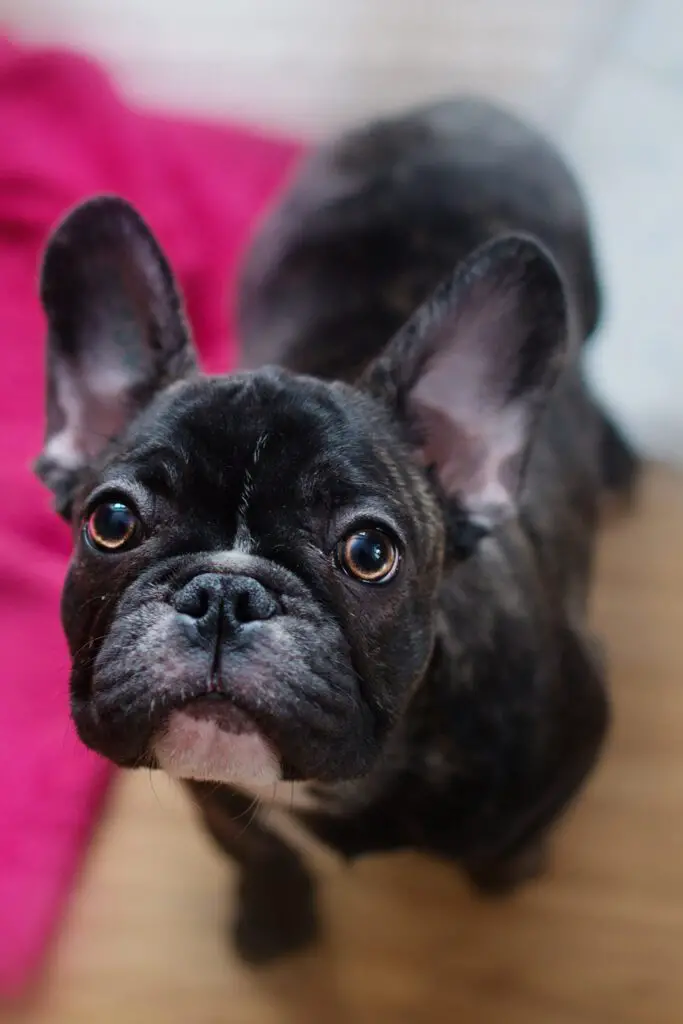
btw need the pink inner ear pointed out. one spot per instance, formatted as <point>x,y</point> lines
<point>481,466</point>
<point>93,407</point>
<point>473,433</point>
<point>457,454</point>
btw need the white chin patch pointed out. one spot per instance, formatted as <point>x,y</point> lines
<point>197,748</point>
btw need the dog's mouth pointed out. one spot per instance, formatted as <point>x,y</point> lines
<point>213,740</point>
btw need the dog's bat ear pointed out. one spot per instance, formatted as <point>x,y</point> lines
<point>117,334</point>
<point>473,367</point>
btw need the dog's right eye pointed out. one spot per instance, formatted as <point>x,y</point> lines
<point>112,526</point>
<point>369,555</point>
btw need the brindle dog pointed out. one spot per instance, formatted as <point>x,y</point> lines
<point>360,565</point>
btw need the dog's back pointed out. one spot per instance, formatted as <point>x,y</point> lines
<point>375,220</point>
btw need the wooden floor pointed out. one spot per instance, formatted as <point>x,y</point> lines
<point>600,941</point>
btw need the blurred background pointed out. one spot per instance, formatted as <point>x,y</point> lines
<point>112,903</point>
<point>604,76</point>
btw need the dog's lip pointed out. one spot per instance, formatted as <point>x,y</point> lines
<point>210,738</point>
<point>219,708</point>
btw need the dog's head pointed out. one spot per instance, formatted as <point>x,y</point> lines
<point>257,558</point>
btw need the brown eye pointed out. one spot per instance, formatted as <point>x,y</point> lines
<point>112,526</point>
<point>370,556</point>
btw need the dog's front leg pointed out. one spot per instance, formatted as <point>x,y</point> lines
<point>276,909</point>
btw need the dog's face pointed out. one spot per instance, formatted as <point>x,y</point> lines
<point>257,558</point>
<point>255,544</point>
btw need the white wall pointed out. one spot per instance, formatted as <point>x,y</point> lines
<point>313,64</point>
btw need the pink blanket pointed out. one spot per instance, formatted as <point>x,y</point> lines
<point>66,134</point>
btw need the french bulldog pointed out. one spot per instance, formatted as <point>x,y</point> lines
<point>352,575</point>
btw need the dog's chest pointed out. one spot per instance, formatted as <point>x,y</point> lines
<point>432,765</point>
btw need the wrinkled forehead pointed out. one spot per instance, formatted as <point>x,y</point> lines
<point>293,436</point>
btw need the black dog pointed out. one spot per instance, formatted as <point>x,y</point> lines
<point>362,570</point>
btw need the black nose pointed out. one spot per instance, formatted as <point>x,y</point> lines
<point>232,601</point>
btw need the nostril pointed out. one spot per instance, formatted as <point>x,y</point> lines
<point>252,603</point>
<point>202,603</point>
<point>194,600</point>
<point>242,608</point>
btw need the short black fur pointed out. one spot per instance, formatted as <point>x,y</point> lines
<point>413,315</point>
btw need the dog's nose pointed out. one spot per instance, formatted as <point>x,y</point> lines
<point>231,600</point>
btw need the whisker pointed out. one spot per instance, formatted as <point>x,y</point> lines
<point>153,788</point>
<point>88,643</point>
<point>256,804</point>
<point>269,806</point>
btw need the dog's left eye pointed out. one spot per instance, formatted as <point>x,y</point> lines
<point>112,526</point>
<point>371,556</point>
